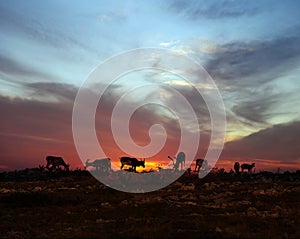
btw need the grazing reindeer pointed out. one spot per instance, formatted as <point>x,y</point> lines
<point>54,163</point>
<point>249,167</point>
<point>100,164</point>
<point>236,167</point>
<point>200,163</point>
<point>180,159</point>
<point>133,162</point>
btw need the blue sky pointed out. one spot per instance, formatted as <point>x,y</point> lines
<point>250,48</point>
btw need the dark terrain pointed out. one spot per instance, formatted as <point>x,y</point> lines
<point>75,205</point>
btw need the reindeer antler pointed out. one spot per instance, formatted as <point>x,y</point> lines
<point>170,158</point>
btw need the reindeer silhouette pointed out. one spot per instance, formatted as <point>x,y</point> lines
<point>249,167</point>
<point>236,167</point>
<point>54,163</point>
<point>100,164</point>
<point>180,159</point>
<point>201,163</point>
<point>133,162</point>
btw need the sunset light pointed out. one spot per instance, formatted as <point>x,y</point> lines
<point>253,61</point>
<point>149,119</point>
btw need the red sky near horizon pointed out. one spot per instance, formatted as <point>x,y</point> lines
<point>48,49</point>
<point>34,129</point>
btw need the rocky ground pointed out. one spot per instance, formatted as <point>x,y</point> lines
<point>75,205</point>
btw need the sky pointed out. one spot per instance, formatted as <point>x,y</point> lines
<point>250,49</point>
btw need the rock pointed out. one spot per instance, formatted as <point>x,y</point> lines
<point>228,194</point>
<point>177,184</point>
<point>157,199</point>
<point>213,185</point>
<point>276,211</point>
<point>124,203</point>
<point>252,211</point>
<point>100,220</point>
<point>188,187</point>
<point>272,192</point>
<point>277,208</point>
<point>245,202</point>
<point>189,196</point>
<point>106,205</point>
<point>274,215</point>
<point>37,189</point>
<point>5,190</point>
<point>206,185</point>
<point>259,192</point>
<point>190,203</point>
<point>173,198</point>
<point>67,189</point>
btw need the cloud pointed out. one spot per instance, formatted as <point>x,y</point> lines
<point>278,144</point>
<point>258,109</point>
<point>263,61</point>
<point>14,22</point>
<point>255,80</point>
<point>31,129</point>
<point>34,127</point>
<point>58,91</point>
<point>196,10</point>
<point>12,67</point>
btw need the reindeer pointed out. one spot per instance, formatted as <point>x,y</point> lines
<point>180,159</point>
<point>237,167</point>
<point>249,167</point>
<point>200,163</point>
<point>100,164</point>
<point>54,163</point>
<point>133,162</point>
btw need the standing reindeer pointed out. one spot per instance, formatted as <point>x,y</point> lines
<point>100,164</point>
<point>180,159</point>
<point>201,163</point>
<point>133,162</point>
<point>249,167</point>
<point>54,163</point>
<point>236,167</point>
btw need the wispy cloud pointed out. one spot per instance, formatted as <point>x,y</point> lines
<point>59,91</point>
<point>196,10</point>
<point>20,71</point>
<point>263,61</point>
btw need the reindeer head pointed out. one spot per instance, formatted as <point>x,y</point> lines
<point>87,163</point>
<point>171,159</point>
<point>143,163</point>
<point>67,167</point>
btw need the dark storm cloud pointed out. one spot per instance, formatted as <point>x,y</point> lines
<point>195,10</point>
<point>263,61</point>
<point>280,143</point>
